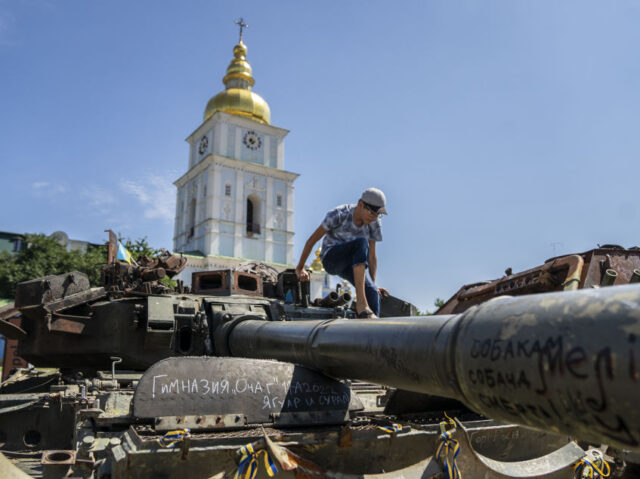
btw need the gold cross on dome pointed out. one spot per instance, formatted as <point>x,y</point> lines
<point>241,24</point>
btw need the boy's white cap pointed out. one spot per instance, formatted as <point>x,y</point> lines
<point>375,197</point>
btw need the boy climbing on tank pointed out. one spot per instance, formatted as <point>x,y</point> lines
<point>349,248</point>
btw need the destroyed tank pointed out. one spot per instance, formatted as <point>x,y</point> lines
<point>243,374</point>
<point>606,265</point>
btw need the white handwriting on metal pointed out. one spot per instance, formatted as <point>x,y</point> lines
<point>275,394</point>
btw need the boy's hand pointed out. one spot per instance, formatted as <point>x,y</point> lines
<point>302,274</point>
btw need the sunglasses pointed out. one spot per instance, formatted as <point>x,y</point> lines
<point>372,209</point>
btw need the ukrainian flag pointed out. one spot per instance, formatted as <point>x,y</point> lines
<point>123,254</point>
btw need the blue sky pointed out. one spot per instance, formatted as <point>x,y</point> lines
<point>503,132</point>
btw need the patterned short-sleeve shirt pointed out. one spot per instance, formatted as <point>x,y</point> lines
<point>340,228</point>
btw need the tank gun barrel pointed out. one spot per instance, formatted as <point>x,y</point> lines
<point>566,362</point>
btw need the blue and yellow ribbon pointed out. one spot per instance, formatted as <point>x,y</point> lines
<point>447,422</point>
<point>248,465</point>
<point>448,449</point>
<point>392,429</point>
<point>171,438</point>
<point>596,468</point>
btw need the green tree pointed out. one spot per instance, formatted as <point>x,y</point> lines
<point>438,303</point>
<point>45,256</point>
<point>139,247</point>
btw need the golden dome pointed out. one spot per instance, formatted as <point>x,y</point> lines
<point>237,98</point>
<point>316,265</point>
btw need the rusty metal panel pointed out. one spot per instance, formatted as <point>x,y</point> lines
<point>201,422</point>
<point>550,276</point>
<point>247,283</point>
<point>50,288</point>
<point>225,282</point>
<point>8,328</point>
<point>36,421</point>
<point>75,299</point>
<point>11,359</point>
<point>68,325</point>
<point>11,328</point>
<point>623,262</point>
<point>211,282</point>
<point>112,248</point>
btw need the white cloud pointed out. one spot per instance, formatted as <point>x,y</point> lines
<point>156,193</point>
<point>99,200</point>
<point>45,188</point>
<point>151,197</point>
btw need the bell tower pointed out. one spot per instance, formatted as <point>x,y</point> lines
<point>235,202</point>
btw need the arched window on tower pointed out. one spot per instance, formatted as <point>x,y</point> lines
<point>192,218</point>
<point>253,215</point>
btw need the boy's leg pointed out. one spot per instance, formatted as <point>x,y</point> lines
<point>349,261</point>
<point>338,258</point>
<point>370,290</point>
<point>373,296</point>
<point>358,281</point>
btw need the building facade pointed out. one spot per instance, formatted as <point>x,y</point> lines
<point>236,201</point>
<point>11,242</point>
<point>16,242</point>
